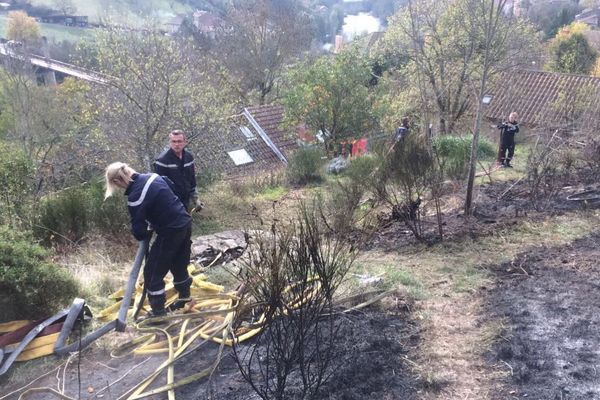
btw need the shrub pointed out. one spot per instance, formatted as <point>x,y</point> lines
<point>71,214</point>
<point>305,166</point>
<point>454,153</point>
<point>361,169</point>
<point>543,167</point>
<point>347,191</point>
<point>206,178</point>
<point>108,216</point>
<point>31,286</point>
<point>408,174</point>
<point>293,272</point>
<point>16,176</point>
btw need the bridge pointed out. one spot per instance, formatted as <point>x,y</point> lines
<point>53,66</point>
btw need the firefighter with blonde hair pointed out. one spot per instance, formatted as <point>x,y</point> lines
<point>508,130</point>
<point>154,207</point>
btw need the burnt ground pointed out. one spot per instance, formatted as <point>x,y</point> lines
<point>370,364</point>
<point>550,300</point>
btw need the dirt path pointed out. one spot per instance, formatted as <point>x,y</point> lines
<point>452,349</point>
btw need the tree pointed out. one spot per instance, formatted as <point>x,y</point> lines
<point>257,40</point>
<point>154,85</point>
<point>332,96</point>
<point>22,28</point>
<point>66,7</point>
<point>498,44</point>
<point>54,126</point>
<point>571,52</point>
<point>427,46</point>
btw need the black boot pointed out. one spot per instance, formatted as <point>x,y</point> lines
<point>157,303</point>
<point>507,164</point>
<point>184,297</point>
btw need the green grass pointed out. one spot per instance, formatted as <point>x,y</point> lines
<point>273,193</point>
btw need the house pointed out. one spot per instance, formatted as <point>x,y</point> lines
<point>589,16</point>
<point>547,100</point>
<point>255,143</point>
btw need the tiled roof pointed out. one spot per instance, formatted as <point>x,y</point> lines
<point>268,118</point>
<point>546,99</point>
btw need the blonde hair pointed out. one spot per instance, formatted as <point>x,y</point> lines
<point>513,116</point>
<point>116,171</point>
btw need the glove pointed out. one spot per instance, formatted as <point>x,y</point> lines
<point>198,205</point>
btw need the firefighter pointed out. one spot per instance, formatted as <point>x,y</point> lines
<point>153,205</point>
<point>507,140</point>
<point>177,164</point>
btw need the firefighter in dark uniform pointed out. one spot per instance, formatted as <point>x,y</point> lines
<point>151,202</point>
<point>177,164</point>
<point>508,130</point>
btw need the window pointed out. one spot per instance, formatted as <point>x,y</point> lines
<point>240,157</point>
<point>247,132</point>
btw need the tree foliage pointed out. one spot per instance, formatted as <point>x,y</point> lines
<point>431,46</point>
<point>550,16</point>
<point>332,96</point>
<point>55,127</point>
<point>66,7</point>
<point>571,52</point>
<point>155,84</point>
<point>257,40</point>
<point>22,28</point>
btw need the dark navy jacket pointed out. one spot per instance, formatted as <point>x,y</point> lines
<point>180,171</point>
<point>151,201</point>
<point>508,131</point>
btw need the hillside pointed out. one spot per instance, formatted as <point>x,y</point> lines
<point>130,12</point>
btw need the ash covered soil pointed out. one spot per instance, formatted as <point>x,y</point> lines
<point>550,300</point>
<point>371,363</point>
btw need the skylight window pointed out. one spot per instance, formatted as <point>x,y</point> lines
<point>487,99</point>
<point>240,157</point>
<point>247,132</point>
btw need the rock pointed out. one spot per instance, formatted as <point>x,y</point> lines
<point>231,244</point>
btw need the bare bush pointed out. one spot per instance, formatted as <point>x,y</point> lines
<point>544,167</point>
<point>591,155</point>
<point>292,274</point>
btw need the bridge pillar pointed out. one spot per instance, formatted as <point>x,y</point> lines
<point>49,75</point>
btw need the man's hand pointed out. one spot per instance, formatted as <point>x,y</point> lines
<point>199,205</point>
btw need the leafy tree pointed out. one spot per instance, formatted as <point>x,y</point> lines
<point>53,125</point>
<point>155,84</point>
<point>257,40</point>
<point>571,52</point>
<point>429,48</point>
<point>589,3</point>
<point>332,96</point>
<point>22,28</point>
